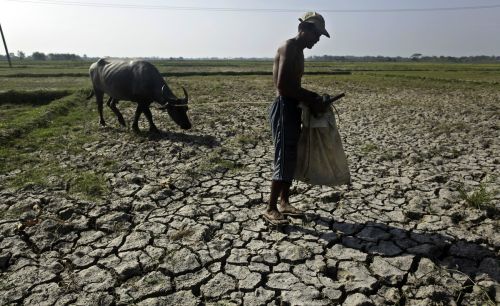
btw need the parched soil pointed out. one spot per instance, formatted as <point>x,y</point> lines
<point>181,224</point>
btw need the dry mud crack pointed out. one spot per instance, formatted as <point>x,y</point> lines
<point>182,226</point>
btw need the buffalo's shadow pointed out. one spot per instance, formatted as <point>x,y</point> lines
<point>444,251</point>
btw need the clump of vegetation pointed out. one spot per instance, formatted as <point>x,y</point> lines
<point>217,161</point>
<point>89,184</point>
<point>247,139</point>
<point>480,199</point>
<point>390,155</point>
<point>225,163</point>
<point>38,174</point>
<point>369,147</point>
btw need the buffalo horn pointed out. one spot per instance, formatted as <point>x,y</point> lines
<point>185,95</point>
<point>163,90</point>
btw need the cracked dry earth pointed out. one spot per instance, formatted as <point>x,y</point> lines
<point>182,226</point>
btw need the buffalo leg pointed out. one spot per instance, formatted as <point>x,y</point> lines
<point>135,124</point>
<point>112,104</point>
<point>99,98</point>
<point>152,126</point>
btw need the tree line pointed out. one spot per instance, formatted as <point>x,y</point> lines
<point>416,57</point>
<point>40,56</point>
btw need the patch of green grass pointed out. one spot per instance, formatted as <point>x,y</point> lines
<point>46,134</point>
<point>38,174</point>
<point>244,139</point>
<point>87,185</point>
<point>480,198</point>
<point>224,163</point>
<point>90,185</point>
<point>369,147</point>
<point>37,117</point>
<point>51,83</point>
<point>389,155</point>
<point>110,165</point>
<point>216,160</point>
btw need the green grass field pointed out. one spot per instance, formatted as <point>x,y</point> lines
<point>30,75</point>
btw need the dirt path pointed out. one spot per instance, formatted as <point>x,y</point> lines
<point>182,224</point>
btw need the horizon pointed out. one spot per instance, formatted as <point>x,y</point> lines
<point>314,57</point>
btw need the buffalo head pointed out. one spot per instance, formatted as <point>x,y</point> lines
<point>176,108</point>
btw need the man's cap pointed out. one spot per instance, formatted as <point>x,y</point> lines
<point>317,20</point>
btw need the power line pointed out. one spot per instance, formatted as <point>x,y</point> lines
<point>253,10</point>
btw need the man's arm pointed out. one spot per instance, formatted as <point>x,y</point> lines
<point>287,80</point>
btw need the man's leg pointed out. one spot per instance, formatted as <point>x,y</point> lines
<point>285,207</point>
<point>272,207</point>
<point>275,116</point>
<point>285,193</point>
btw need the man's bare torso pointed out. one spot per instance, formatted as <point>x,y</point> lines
<point>288,66</point>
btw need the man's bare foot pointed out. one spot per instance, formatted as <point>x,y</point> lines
<point>274,217</point>
<point>288,210</point>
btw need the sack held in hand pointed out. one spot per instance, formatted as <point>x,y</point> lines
<point>321,159</point>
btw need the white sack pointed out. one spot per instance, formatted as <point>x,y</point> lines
<point>321,159</point>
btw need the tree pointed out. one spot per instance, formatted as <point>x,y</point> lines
<point>415,56</point>
<point>39,56</point>
<point>21,55</point>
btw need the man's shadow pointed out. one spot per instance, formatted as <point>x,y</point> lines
<point>380,239</point>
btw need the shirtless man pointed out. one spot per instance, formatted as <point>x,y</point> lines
<point>285,115</point>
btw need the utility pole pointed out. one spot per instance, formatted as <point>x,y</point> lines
<point>5,45</point>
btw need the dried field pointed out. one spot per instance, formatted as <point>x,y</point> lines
<point>92,215</point>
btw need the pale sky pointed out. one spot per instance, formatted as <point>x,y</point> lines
<point>168,28</point>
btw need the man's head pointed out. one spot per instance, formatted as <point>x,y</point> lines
<point>312,25</point>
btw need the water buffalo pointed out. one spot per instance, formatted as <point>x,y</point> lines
<point>140,82</point>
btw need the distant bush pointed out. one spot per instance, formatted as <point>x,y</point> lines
<point>39,56</point>
<point>63,57</point>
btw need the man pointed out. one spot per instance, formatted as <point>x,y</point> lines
<point>285,115</point>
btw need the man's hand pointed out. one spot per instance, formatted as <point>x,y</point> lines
<point>325,99</point>
<point>320,105</point>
